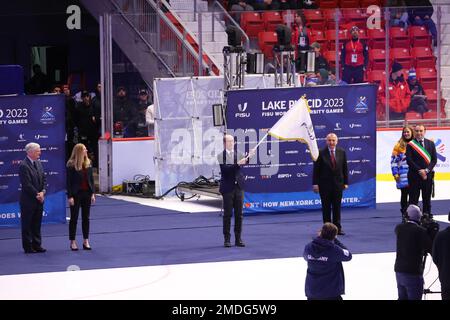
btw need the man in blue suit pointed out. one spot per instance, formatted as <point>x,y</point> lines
<point>232,189</point>
<point>421,157</point>
<point>33,181</point>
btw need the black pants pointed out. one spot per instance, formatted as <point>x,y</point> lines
<point>233,201</point>
<point>404,200</point>
<point>445,292</point>
<point>353,74</point>
<point>30,221</point>
<point>331,200</point>
<point>83,200</point>
<point>416,185</point>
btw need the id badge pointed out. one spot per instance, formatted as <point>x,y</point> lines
<point>354,58</point>
<point>302,41</point>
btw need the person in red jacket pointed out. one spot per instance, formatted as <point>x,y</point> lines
<point>399,93</point>
<point>354,58</point>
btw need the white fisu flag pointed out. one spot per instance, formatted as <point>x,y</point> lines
<point>296,124</point>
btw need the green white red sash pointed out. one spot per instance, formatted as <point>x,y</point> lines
<point>420,150</point>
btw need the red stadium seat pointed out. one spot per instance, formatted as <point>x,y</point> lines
<point>252,23</point>
<point>377,38</point>
<point>330,56</point>
<point>271,19</point>
<point>355,17</point>
<point>402,56</point>
<point>377,59</point>
<point>423,57</point>
<point>330,17</point>
<point>266,41</point>
<point>349,3</point>
<point>430,115</point>
<point>331,37</point>
<point>419,36</point>
<point>367,3</point>
<point>376,76</point>
<point>399,38</point>
<point>427,77</point>
<point>411,116</point>
<point>314,19</point>
<point>319,36</point>
<point>328,4</point>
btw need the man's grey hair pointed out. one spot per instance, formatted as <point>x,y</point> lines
<point>32,146</point>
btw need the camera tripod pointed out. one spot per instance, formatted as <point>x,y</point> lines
<point>427,290</point>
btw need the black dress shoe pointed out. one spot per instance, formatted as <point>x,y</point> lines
<point>341,233</point>
<point>39,249</point>
<point>240,243</point>
<point>227,244</point>
<point>30,251</point>
<point>85,247</point>
<point>73,248</point>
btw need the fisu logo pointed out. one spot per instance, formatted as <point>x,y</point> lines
<point>241,107</point>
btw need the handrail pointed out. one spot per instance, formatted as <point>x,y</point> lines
<point>177,33</point>
<point>118,9</point>
<point>196,55</point>
<point>247,40</point>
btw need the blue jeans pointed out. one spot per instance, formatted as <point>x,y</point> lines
<point>409,286</point>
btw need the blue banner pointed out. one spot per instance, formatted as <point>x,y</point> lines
<point>280,176</point>
<point>40,119</point>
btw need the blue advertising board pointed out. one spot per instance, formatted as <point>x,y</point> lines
<point>25,119</point>
<point>279,178</point>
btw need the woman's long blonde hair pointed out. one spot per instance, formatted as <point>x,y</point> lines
<point>78,159</point>
<point>402,142</point>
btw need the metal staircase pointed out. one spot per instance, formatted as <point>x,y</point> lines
<point>149,39</point>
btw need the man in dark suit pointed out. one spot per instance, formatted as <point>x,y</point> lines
<point>33,181</point>
<point>330,178</point>
<point>232,189</point>
<point>421,158</point>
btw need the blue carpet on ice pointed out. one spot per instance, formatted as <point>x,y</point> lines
<point>125,234</point>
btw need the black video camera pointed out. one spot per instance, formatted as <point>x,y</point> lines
<point>430,225</point>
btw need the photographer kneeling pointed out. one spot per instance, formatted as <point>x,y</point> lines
<point>413,244</point>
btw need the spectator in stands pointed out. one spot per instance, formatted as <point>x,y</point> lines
<point>237,6</point>
<point>123,110</point>
<point>300,40</point>
<point>325,274</point>
<point>399,94</point>
<point>86,123</point>
<point>399,14</point>
<point>324,78</point>
<point>260,5</point>
<point>333,77</point>
<point>320,61</point>
<point>138,126</point>
<point>354,58</point>
<point>307,4</point>
<point>420,13</point>
<point>71,139</point>
<point>56,89</point>
<point>150,119</point>
<point>39,82</point>
<point>97,107</point>
<point>418,98</point>
<point>399,167</point>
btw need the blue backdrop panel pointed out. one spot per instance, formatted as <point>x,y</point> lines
<point>348,111</point>
<point>11,79</point>
<point>25,119</point>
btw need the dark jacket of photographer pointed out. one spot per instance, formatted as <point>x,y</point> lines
<point>441,256</point>
<point>413,243</point>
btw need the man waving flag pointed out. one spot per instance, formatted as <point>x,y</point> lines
<point>296,124</point>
